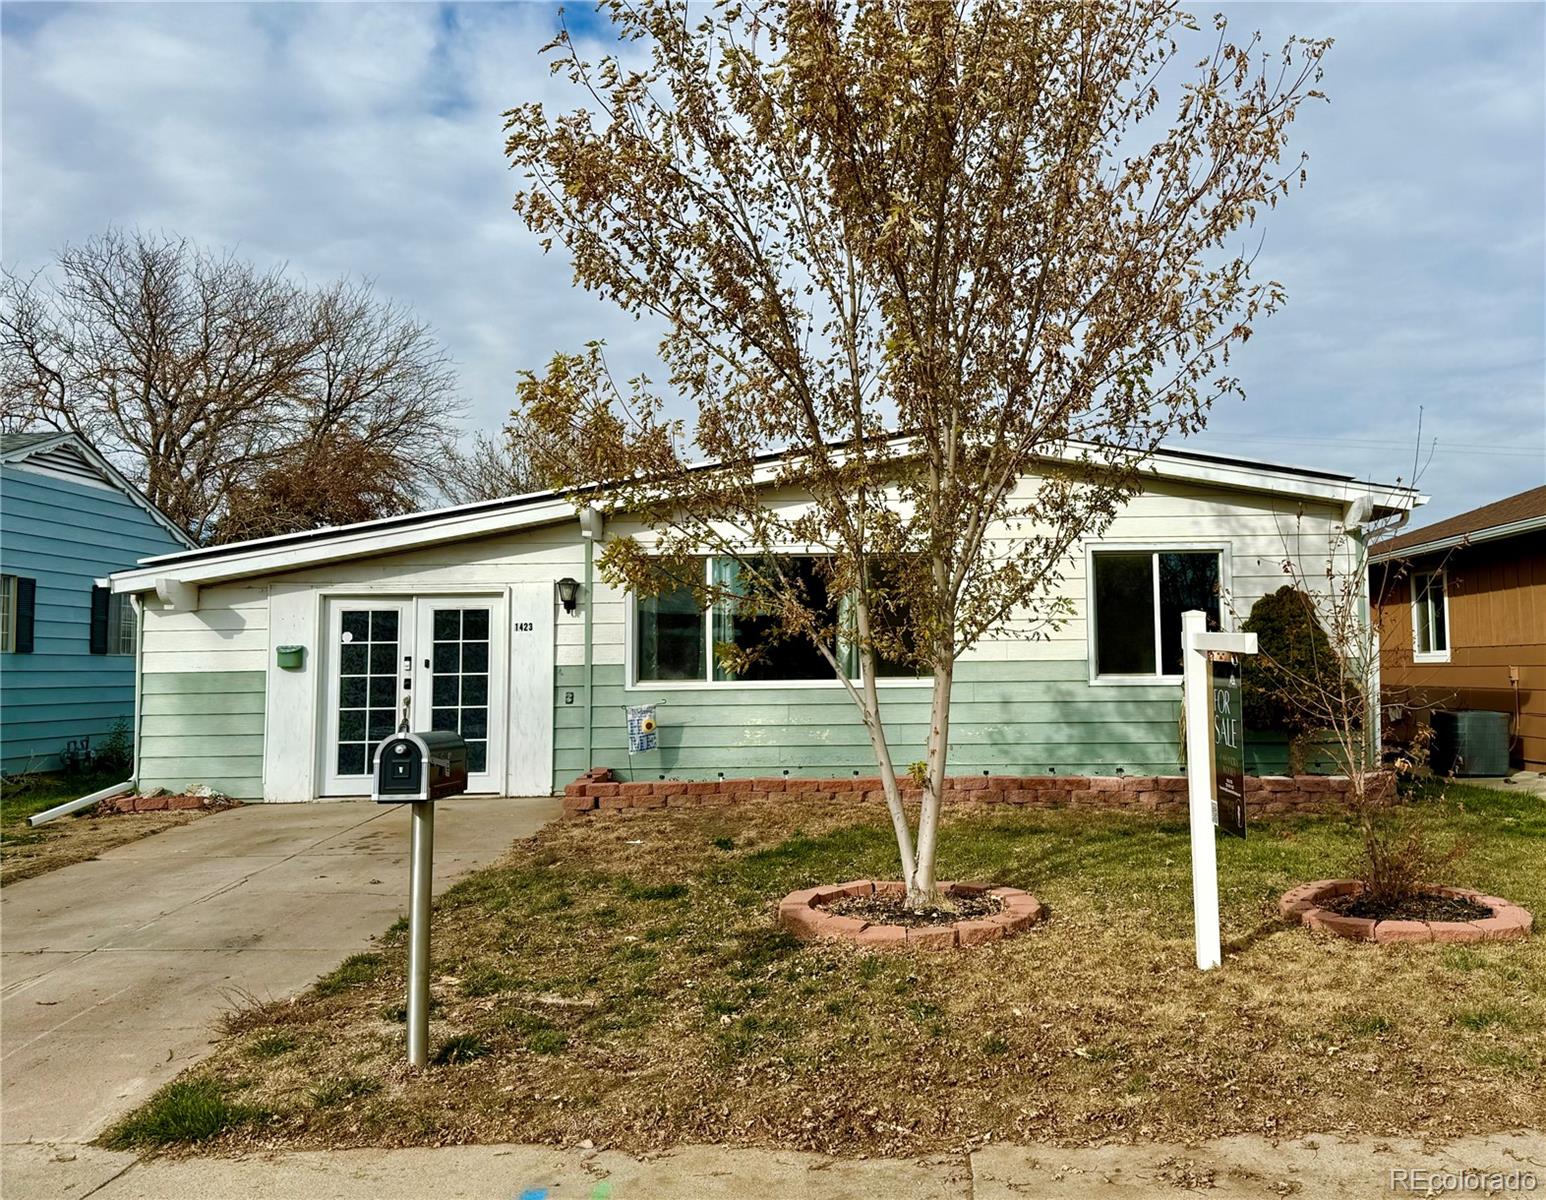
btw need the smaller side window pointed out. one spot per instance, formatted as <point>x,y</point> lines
<point>1430,617</point>
<point>120,625</point>
<point>7,613</point>
<point>112,623</point>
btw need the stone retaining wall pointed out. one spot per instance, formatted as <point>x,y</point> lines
<point>598,791</point>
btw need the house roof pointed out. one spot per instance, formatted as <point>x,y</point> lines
<point>71,457</point>
<point>383,536</point>
<point>15,443</point>
<point>1509,517</point>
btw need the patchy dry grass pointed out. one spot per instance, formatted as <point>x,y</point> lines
<point>26,852</point>
<point>622,980</point>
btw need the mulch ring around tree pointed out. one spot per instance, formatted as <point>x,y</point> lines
<point>1437,914</point>
<point>875,915</point>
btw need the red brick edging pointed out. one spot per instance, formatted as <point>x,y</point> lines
<point>1268,795</point>
<point>1507,922</point>
<point>804,914</point>
<point>132,803</point>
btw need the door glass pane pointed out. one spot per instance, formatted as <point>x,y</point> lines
<point>459,679</point>
<point>1124,614</point>
<point>368,656</point>
<point>1186,581</point>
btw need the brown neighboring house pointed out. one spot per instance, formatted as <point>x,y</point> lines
<point>1462,616</point>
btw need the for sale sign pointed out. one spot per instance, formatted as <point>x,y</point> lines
<point>1228,745</point>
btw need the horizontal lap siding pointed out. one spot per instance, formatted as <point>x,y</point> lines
<point>66,535</point>
<point>1041,717</point>
<point>1497,620</point>
<point>203,728</point>
<point>203,697</point>
<point>1021,705</point>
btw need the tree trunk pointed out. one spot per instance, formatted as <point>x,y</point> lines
<point>870,710</point>
<point>925,889</point>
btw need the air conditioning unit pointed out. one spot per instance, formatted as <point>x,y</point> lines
<point>1470,743</point>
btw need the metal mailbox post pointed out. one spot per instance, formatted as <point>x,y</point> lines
<point>417,769</point>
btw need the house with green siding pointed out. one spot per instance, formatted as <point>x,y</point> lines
<point>270,669</point>
<point>67,643</point>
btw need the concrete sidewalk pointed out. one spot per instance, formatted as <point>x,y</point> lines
<point>1243,1168</point>
<point>113,972</point>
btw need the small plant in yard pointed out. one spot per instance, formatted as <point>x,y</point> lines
<point>272,1045</point>
<point>115,752</point>
<point>355,970</point>
<point>342,1089</point>
<point>462,1048</point>
<point>188,1111</point>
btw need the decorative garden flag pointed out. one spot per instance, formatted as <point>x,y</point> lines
<point>641,728</point>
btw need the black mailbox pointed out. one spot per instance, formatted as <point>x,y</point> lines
<point>428,765</point>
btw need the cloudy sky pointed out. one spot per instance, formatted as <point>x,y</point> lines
<point>366,139</point>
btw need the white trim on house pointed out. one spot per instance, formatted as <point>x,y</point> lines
<point>1153,547</point>
<point>292,551</point>
<point>263,556</point>
<point>47,451</point>
<point>1421,610</point>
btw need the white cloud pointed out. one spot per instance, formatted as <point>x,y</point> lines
<point>367,139</point>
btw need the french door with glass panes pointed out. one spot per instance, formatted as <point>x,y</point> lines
<point>436,661</point>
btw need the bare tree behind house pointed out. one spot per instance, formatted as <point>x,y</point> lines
<point>490,469</point>
<point>204,376</point>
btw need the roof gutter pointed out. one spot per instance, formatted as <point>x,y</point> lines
<point>1495,533</point>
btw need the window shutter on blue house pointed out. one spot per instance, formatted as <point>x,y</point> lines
<point>99,600</point>
<point>26,608</point>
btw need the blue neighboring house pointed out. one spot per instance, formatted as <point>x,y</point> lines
<point>67,645</point>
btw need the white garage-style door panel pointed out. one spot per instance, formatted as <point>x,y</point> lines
<point>530,726</point>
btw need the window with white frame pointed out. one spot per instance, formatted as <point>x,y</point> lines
<point>121,626</point>
<point>1136,601</point>
<point>674,640</point>
<point>7,613</point>
<point>1430,617</point>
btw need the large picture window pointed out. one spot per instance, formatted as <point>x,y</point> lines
<point>1430,617</point>
<point>674,640</point>
<point>1137,598</point>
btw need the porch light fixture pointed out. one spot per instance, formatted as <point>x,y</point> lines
<point>568,591</point>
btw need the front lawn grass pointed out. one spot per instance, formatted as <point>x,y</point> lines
<point>622,980</point>
<point>26,852</point>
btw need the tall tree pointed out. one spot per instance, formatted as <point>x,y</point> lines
<point>948,257</point>
<point>205,376</point>
<point>495,467</point>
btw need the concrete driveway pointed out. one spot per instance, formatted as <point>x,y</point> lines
<point>112,972</point>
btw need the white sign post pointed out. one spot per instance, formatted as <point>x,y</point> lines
<point>1196,644</point>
